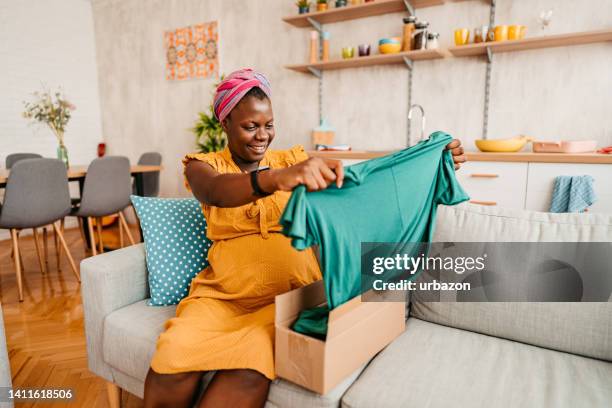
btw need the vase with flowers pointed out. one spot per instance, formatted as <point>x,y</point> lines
<point>54,110</point>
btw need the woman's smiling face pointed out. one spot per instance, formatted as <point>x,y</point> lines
<point>250,129</point>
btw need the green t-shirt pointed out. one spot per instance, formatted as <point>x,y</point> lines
<point>390,199</point>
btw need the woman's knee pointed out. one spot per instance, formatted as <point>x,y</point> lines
<point>243,381</point>
<point>171,390</point>
<point>170,381</point>
<point>251,379</point>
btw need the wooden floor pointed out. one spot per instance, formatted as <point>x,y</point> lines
<point>45,335</point>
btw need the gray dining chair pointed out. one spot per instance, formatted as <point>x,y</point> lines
<point>13,158</point>
<point>36,195</point>
<point>106,191</point>
<point>10,161</point>
<point>150,180</point>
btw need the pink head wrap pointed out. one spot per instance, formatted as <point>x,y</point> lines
<point>233,88</point>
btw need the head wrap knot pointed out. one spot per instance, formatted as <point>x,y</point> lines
<point>233,88</point>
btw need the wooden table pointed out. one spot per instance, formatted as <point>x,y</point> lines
<point>77,173</point>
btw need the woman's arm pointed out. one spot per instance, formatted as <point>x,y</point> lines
<point>234,190</point>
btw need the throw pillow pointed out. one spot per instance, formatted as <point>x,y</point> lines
<point>176,246</point>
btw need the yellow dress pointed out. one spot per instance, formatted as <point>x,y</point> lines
<point>227,321</point>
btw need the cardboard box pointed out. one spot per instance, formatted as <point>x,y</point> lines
<point>356,332</point>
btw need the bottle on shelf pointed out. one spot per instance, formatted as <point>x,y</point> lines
<point>409,27</point>
<point>420,35</point>
<point>326,36</point>
<point>314,46</point>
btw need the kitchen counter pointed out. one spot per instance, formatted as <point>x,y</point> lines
<point>526,157</point>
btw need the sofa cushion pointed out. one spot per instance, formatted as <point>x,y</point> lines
<point>130,335</point>
<point>176,246</point>
<point>579,328</point>
<point>286,394</point>
<point>476,223</point>
<point>436,366</point>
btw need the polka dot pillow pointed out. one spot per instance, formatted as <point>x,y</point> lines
<point>176,246</point>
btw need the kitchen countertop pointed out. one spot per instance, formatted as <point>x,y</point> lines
<point>589,158</point>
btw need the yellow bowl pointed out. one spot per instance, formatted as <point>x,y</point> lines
<point>389,48</point>
<point>502,145</point>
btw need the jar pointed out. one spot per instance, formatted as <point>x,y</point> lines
<point>409,27</point>
<point>432,41</point>
<point>420,35</point>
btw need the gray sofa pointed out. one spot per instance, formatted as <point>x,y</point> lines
<point>451,354</point>
<point>5,367</point>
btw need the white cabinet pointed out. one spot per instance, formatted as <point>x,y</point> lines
<point>527,185</point>
<point>494,183</point>
<point>542,176</point>
<point>530,185</point>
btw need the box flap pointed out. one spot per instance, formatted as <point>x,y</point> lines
<point>353,311</point>
<point>290,304</point>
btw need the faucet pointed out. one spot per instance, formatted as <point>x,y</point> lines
<point>412,107</point>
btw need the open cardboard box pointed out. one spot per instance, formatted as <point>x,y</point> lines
<point>356,331</point>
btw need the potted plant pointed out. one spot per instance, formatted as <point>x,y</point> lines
<point>321,5</point>
<point>209,134</point>
<point>54,110</point>
<point>303,6</point>
<point>341,3</point>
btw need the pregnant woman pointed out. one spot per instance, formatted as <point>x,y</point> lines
<point>227,321</point>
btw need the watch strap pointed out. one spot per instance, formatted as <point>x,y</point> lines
<point>255,184</point>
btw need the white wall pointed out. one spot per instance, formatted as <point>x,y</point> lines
<point>48,42</point>
<point>551,93</point>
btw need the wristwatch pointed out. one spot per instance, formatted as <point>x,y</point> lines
<point>255,185</point>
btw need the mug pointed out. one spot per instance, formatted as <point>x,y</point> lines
<point>516,32</point>
<point>364,50</point>
<point>501,33</point>
<point>348,52</point>
<point>462,36</point>
<point>481,34</point>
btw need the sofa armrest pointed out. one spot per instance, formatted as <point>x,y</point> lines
<point>5,366</point>
<point>109,282</point>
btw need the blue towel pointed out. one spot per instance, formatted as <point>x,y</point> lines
<point>572,194</point>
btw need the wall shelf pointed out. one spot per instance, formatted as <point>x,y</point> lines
<point>374,8</point>
<point>380,59</point>
<point>549,41</point>
<point>588,158</point>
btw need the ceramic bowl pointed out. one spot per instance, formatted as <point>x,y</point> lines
<point>389,48</point>
<point>502,145</point>
<point>392,40</point>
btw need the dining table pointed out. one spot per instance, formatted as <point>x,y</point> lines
<point>77,174</point>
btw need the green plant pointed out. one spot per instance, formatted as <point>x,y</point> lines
<point>321,1</point>
<point>303,3</point>
<point>208,131</point>
<point>210,136</point>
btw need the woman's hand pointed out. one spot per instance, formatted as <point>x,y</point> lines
<point>315,173</point>
<point>457,151</point>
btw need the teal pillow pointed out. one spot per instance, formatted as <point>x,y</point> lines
<point>176,246</point>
